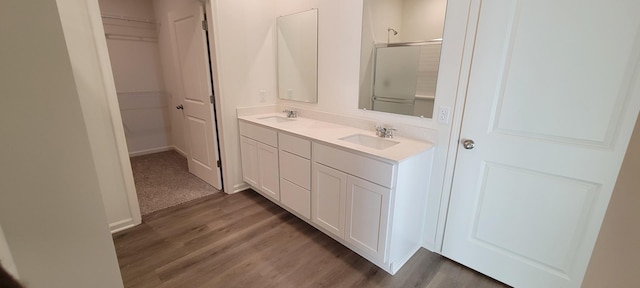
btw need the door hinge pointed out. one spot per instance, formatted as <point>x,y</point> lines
<point>204,25</point>
<point>211,98</point>
<point>218,163</point>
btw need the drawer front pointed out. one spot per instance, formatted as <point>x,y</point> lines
<point>259,133</point>
<point>295,145</point>
<point>295,169</point>
<point>373,170</point>
<point>296,198</point>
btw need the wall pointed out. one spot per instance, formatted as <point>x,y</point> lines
<point>616,255</point>
<point>135,61</point>
<point>244,39</point>
<point>51,208</point>
<point>422,19</point>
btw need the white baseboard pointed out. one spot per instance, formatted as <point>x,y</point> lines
<point>151,151</point>
<point>122,225</point>
<point>239,187</point>
<point>184,154</point>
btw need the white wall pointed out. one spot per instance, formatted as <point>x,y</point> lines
<point>385,14</point>
<point>422,19</point>
<point>244,39</point>
<point>135,61</point>
<point>616,255</point>
<point>51,208</point>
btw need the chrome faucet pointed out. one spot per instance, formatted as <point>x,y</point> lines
<point>291,113</point>
<point>384,132</point>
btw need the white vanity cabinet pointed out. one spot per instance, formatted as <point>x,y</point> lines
<point>259,154</point>
<point>370,201</point>
<point>368,204</point>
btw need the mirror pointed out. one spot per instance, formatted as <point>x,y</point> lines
<point>298,56</point>
<point>400,54</point>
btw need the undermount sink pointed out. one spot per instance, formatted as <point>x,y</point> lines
<point>275,119</point>
<point>370,141</point>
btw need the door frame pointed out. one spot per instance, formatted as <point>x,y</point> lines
<point>211,35</point>
<point>460,25</point>
<point>92,10</point>
<point>113,109</point>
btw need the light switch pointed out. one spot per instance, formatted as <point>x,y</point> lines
<point>443,114</point>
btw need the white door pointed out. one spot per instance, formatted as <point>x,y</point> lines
<point>328,193</point>
<point>192,63</point>
<point>552,97</point>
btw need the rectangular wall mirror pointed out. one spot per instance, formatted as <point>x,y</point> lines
<point>400,55</point>
<point>298,56</point>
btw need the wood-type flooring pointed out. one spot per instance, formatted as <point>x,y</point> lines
<point>244,240</point>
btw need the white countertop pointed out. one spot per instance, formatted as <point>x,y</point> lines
<point>331,133</point>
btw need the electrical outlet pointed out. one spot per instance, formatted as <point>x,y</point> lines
<point>290,93</point>
<point>443,114</point>
<point>263,96</point>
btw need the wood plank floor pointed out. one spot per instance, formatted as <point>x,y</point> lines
<point>244,240</point>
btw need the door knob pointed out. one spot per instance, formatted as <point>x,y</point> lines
<point>180,107</point>
<point>468,144</point>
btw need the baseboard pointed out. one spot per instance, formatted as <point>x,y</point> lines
<point>184,154</point>
<point>429,246</point>
<point>396,265</point>
<point>153,150</point>
<point>239,187</point>
<point>122,225</point>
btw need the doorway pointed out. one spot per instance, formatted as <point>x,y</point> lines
<point>159,55</point>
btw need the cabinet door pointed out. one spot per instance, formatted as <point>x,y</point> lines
<point>328,198</point>
<point>367,212</point>
<point>268,171</point>
<point>249,156</point>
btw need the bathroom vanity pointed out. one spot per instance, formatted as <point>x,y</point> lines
<point>368,193</point>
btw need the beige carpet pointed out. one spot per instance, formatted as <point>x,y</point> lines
<point>163,180</point>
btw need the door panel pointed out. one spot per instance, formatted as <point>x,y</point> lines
<point>548,64</point>
<point>550,106</point>
<point>194,86</point>
<point>367,216</point>
<point>249,157</point>
<point>268,170</point>
<point>329,190</point>
<point>521,195</point>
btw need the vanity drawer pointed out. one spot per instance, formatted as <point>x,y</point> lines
<point>259,133</point>
<point>295,169</point>
<point>296,198</point>
<point>295,145</point>
<point>367,168</point>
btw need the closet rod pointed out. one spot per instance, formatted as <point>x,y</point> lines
<point>128,19</point>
